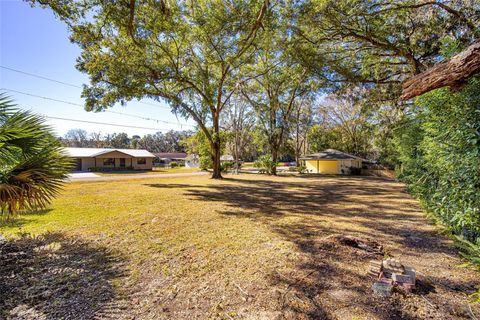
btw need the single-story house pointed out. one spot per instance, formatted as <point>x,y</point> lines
<point>331,161</point>
<point>104,158</point>
<point>164,158</point>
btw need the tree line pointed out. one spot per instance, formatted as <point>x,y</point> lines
<point>313,126</point>
<point>171,141</point>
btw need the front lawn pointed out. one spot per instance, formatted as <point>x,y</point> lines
<point>248,246</point>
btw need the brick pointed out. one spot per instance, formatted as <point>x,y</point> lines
<point>412,273</point>
<point>382,289</point>
<point>402,278</point>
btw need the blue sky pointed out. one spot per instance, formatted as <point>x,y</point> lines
<point>34,41</point>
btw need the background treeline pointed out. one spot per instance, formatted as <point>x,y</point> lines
<point>170,141</point>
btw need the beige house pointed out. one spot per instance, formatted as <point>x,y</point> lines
<point>110,159</point>
<point>331,161</point>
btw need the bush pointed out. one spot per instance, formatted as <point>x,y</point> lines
<point>173,164</point>
<point>205,163</point>
<point>439,154</point>
<point>227,165</point>
<point>265,164</point>
<point>299,169</point>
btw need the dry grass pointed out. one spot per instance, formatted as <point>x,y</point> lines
<point>253,246</point>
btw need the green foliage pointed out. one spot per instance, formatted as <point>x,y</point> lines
<point>323,137</point>
<point>439,152</point>
<point>199,144</point>
<point>173,164</point>
<point>32,165</point>
<point>299,169</point>
<point>227,165</point>
<point>265,164</point>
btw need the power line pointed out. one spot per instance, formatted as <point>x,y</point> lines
<point>105,124</point>
<point>41,77</point>
<point>66,83</point>
<point>146,118</point>
<point>110,111</point>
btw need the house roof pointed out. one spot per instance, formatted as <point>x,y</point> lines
<point>95,152</point>
<point>330,154</point>
<point>171,155</point>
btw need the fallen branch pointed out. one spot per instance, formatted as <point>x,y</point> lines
<point>452,73</point>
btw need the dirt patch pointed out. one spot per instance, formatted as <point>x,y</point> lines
<point>53,277</point>
<point>332,283</point>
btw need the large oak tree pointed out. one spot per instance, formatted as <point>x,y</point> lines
<point>187,53</point>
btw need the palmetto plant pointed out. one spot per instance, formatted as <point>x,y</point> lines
<point>32,165</point>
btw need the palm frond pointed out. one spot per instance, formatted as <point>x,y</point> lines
<point>32,165</point>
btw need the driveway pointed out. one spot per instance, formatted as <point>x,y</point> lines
<point>82,175</point>
<point>89,176</point>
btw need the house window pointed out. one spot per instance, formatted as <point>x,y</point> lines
<point>141,160</point>
<point>109,162</point>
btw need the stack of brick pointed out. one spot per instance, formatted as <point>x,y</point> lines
<point>391,273</point>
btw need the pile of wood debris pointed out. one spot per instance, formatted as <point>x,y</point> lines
<point>390,274</point>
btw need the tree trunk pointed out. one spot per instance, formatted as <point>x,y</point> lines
<point>235,152</point>
<point>274,160</point>
<point>216,150</point>
<point>452,73</point>
<point>216,159</point>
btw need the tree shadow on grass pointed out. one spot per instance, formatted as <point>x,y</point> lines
<point>56,277</point>
<point>330,280</point>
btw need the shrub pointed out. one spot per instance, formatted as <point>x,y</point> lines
<point>439,153</point>
<point>206,162</point>
<point>299,169</point>
<point>227,165</point>
<point>265,164</point>
<point>173,164</point>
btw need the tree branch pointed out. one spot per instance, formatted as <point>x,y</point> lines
<point>451,73</point>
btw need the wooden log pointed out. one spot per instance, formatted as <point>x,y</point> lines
<point>451,73</point>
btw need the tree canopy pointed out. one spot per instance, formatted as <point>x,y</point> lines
<point>186,53</point>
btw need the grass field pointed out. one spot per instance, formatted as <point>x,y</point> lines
<point>155,170</point>
<point>246,247</point>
